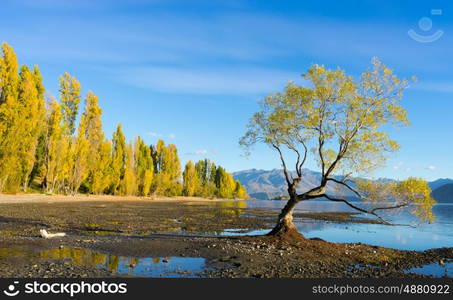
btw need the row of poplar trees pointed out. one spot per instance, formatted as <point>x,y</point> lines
<point>42,144</point>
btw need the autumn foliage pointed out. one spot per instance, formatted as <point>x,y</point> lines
<point>42,146</point>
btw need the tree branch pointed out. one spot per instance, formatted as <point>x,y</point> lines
<point>346,185</point>
<point>299,174</point>
<point>304,159</point>
<point>371,212</point>
<point>285,170</point>
<point>321,156</point>
<point>301,140</point>
<point>390,207</point>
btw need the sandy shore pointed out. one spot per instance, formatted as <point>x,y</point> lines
<point>45,198</point>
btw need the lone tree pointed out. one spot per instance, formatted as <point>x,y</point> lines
<point>340,123</point>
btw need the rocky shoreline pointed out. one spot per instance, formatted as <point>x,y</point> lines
<point>117,239</point>
<point>226,257</point>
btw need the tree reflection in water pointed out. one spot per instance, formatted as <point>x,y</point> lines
<point>146,267</point>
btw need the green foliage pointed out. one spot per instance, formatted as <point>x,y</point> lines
<point>144,167</point>
<point>205,179</point>
<point>98,158</point>
<point>167,169</point>
<point>206,171</point>
<point>341,123</point>
<point>340,118</point>
<point>119,160</point>
<point>416,191</point>
<point>70,99</point>
<point>39,153</point>
<point>413,192</point>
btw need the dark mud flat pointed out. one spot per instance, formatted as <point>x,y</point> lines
<point>181,239</point>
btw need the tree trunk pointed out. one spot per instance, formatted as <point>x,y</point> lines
<point>285,227</point>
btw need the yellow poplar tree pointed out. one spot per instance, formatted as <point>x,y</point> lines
<point>31,123</point>
<point>97,165</point>
<point>21,117</point>
<point>102,171</point>
<point>39,155</point>
<point>167,169</point>
<point>9,77</point>
<point>239,191</point>
<point>39,144</point>
<point>144,167</point>
<point>130,180</point>
<point>69,99</point>
<point>38,82</point>
<point>161,180</point>
<point>118,160</point>
<point>78,162</point>
<point>9,117</point>
<point>191,182</point>
<point>173,170</point>
<point>56,150</point>
<point>206,171</point>
<point>225,184</point>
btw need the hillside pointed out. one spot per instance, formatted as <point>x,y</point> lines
<point>444,194</point>
<point>439,182</point>
<point>271,184</point>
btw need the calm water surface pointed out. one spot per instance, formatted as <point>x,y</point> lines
<point>421,236</point>
<point>170,267</point>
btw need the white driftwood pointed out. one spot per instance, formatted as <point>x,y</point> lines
<point>48,235</point>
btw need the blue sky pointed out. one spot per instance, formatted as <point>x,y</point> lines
<point>192,72</point>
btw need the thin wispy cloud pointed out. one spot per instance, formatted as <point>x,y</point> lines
<point>198,152</point>
<point>62,5</point>
<point>398,165</point>
<point>431,168</point>
<point>153,134</point>
<point>188,54</point>
<point>209,54</point>
<point>208,81</point>
<point>434,86</point>
<point>171,136</point>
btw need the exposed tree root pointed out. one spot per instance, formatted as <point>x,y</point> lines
<point>286,231</point>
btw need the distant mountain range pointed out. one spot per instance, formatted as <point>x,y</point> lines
<point>271,184</point>
<point>444,193</point>
<point>439,182</point>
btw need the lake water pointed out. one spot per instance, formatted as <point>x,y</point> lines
<point>420,237</point>
<point>169,267</point>
<point>434,269</point>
